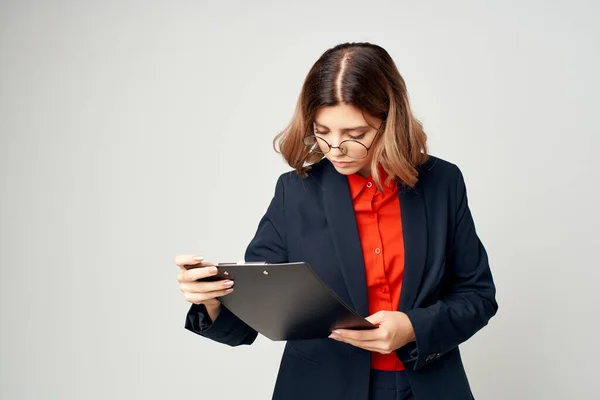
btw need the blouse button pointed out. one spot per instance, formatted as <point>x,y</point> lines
<point>377,250</point>
<point>369,184</point>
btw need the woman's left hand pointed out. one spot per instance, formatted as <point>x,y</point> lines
<point>394,331</point>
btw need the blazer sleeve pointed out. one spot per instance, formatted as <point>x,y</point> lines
<point>268,245</point>
<point>470,300</point>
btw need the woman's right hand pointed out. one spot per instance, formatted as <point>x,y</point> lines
<point>200,292</point>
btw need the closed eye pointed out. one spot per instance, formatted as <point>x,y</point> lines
<point>357,137</point>
<point>361,136</point>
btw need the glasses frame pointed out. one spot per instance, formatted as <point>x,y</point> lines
<point>342,142</point>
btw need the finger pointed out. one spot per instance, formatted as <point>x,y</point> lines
<point>372,345</point>
<point>198,298</point>
<point>370,334</point>
<point>190,260</point>
<point>376,318</point>
<point>191,275</point>
<point>200,264</point>
<point>183,259</point>
<point>204,287</point>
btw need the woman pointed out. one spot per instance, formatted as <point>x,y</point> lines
<point>384,224</point>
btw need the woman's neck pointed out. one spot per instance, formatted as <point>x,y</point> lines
<point>364,172</point>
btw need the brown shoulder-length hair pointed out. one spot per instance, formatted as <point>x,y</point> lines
<point>365,76</point>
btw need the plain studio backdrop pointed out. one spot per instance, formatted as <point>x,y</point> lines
<point>135,131</point>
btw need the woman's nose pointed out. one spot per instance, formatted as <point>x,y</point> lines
<point>336,148</point>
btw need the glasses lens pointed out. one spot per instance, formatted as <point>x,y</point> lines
<point>316,144</point>
<point>353,149</point>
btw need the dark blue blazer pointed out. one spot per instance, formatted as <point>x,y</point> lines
<point>447,292</point>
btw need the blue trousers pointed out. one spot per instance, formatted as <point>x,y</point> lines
<point>389,385</point>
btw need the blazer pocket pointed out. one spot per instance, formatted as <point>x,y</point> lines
<point>294,350</point>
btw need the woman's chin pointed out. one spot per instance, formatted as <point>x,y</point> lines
<point>346,170</point>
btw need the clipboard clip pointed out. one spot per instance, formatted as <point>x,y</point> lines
<point>242,262</point>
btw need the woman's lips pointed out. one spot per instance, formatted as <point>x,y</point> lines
<point>341,163</point>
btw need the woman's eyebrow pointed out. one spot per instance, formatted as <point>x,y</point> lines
<point>343,130</point>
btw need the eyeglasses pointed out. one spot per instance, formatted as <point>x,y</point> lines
<point>351,147</point>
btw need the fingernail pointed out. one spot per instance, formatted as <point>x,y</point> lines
<point>336,332</point>
<point>198,258</point>
<point>229,290</point>
<point>213,269</point>
<point>228,283</point>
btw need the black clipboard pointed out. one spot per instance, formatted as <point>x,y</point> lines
<point>286,301</point>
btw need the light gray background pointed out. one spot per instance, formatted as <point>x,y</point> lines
<point>135,131</point>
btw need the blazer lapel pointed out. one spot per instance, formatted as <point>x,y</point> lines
<point>339,211</point>
<point>414,231</point>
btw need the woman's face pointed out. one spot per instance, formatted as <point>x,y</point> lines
<point>344,122</point>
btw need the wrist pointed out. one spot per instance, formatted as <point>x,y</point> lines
<point>213,309</point>
<point>410,330</point>
<point>411,335</point>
